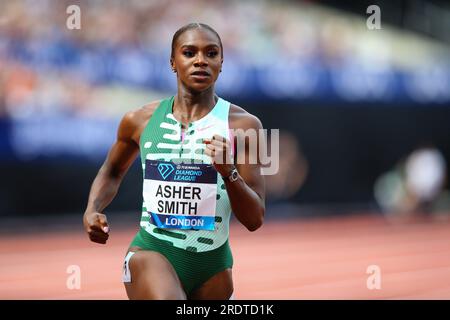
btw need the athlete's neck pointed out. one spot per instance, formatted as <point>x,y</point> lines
<point>189,106</point>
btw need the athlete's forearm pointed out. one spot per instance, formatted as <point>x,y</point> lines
<point>246,204</point>
<point>103,190</point>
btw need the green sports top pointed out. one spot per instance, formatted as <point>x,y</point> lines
<point>165,148</point>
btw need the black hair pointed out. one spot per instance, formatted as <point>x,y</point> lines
<point>190,26</point>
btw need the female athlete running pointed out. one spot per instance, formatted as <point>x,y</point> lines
<point>194,177</point>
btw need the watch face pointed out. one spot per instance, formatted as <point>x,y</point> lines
<point>234,175</point>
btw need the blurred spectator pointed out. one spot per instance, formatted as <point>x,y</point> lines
<point>415,186</point>
<point>292,172</point>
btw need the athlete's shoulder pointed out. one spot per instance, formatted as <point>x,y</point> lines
<point>141,114</point>
<point>134,121</point>
<point>239,118</point>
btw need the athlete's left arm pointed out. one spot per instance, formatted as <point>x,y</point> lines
<point>247,193</point>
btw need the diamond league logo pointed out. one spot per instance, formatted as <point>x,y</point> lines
<point>165,169</point>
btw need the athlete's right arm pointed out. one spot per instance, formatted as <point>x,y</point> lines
<point>106,184</point>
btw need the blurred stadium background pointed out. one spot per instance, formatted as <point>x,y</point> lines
<point>364,117</point>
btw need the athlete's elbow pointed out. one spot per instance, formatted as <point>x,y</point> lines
<point>255,225</point>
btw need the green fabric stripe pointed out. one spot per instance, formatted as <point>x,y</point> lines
<point>185,151</point>
<point>170,233</point>
<point>205,240</point>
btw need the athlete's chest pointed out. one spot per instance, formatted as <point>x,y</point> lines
<point>170,136</point>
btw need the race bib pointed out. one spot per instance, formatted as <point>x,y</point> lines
<point>180,196</point>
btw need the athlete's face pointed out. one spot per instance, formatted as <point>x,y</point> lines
<point>197,59</point>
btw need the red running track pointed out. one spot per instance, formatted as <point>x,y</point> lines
<point>298,259</point>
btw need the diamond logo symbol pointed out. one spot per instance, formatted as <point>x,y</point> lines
<point>165,169</point>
